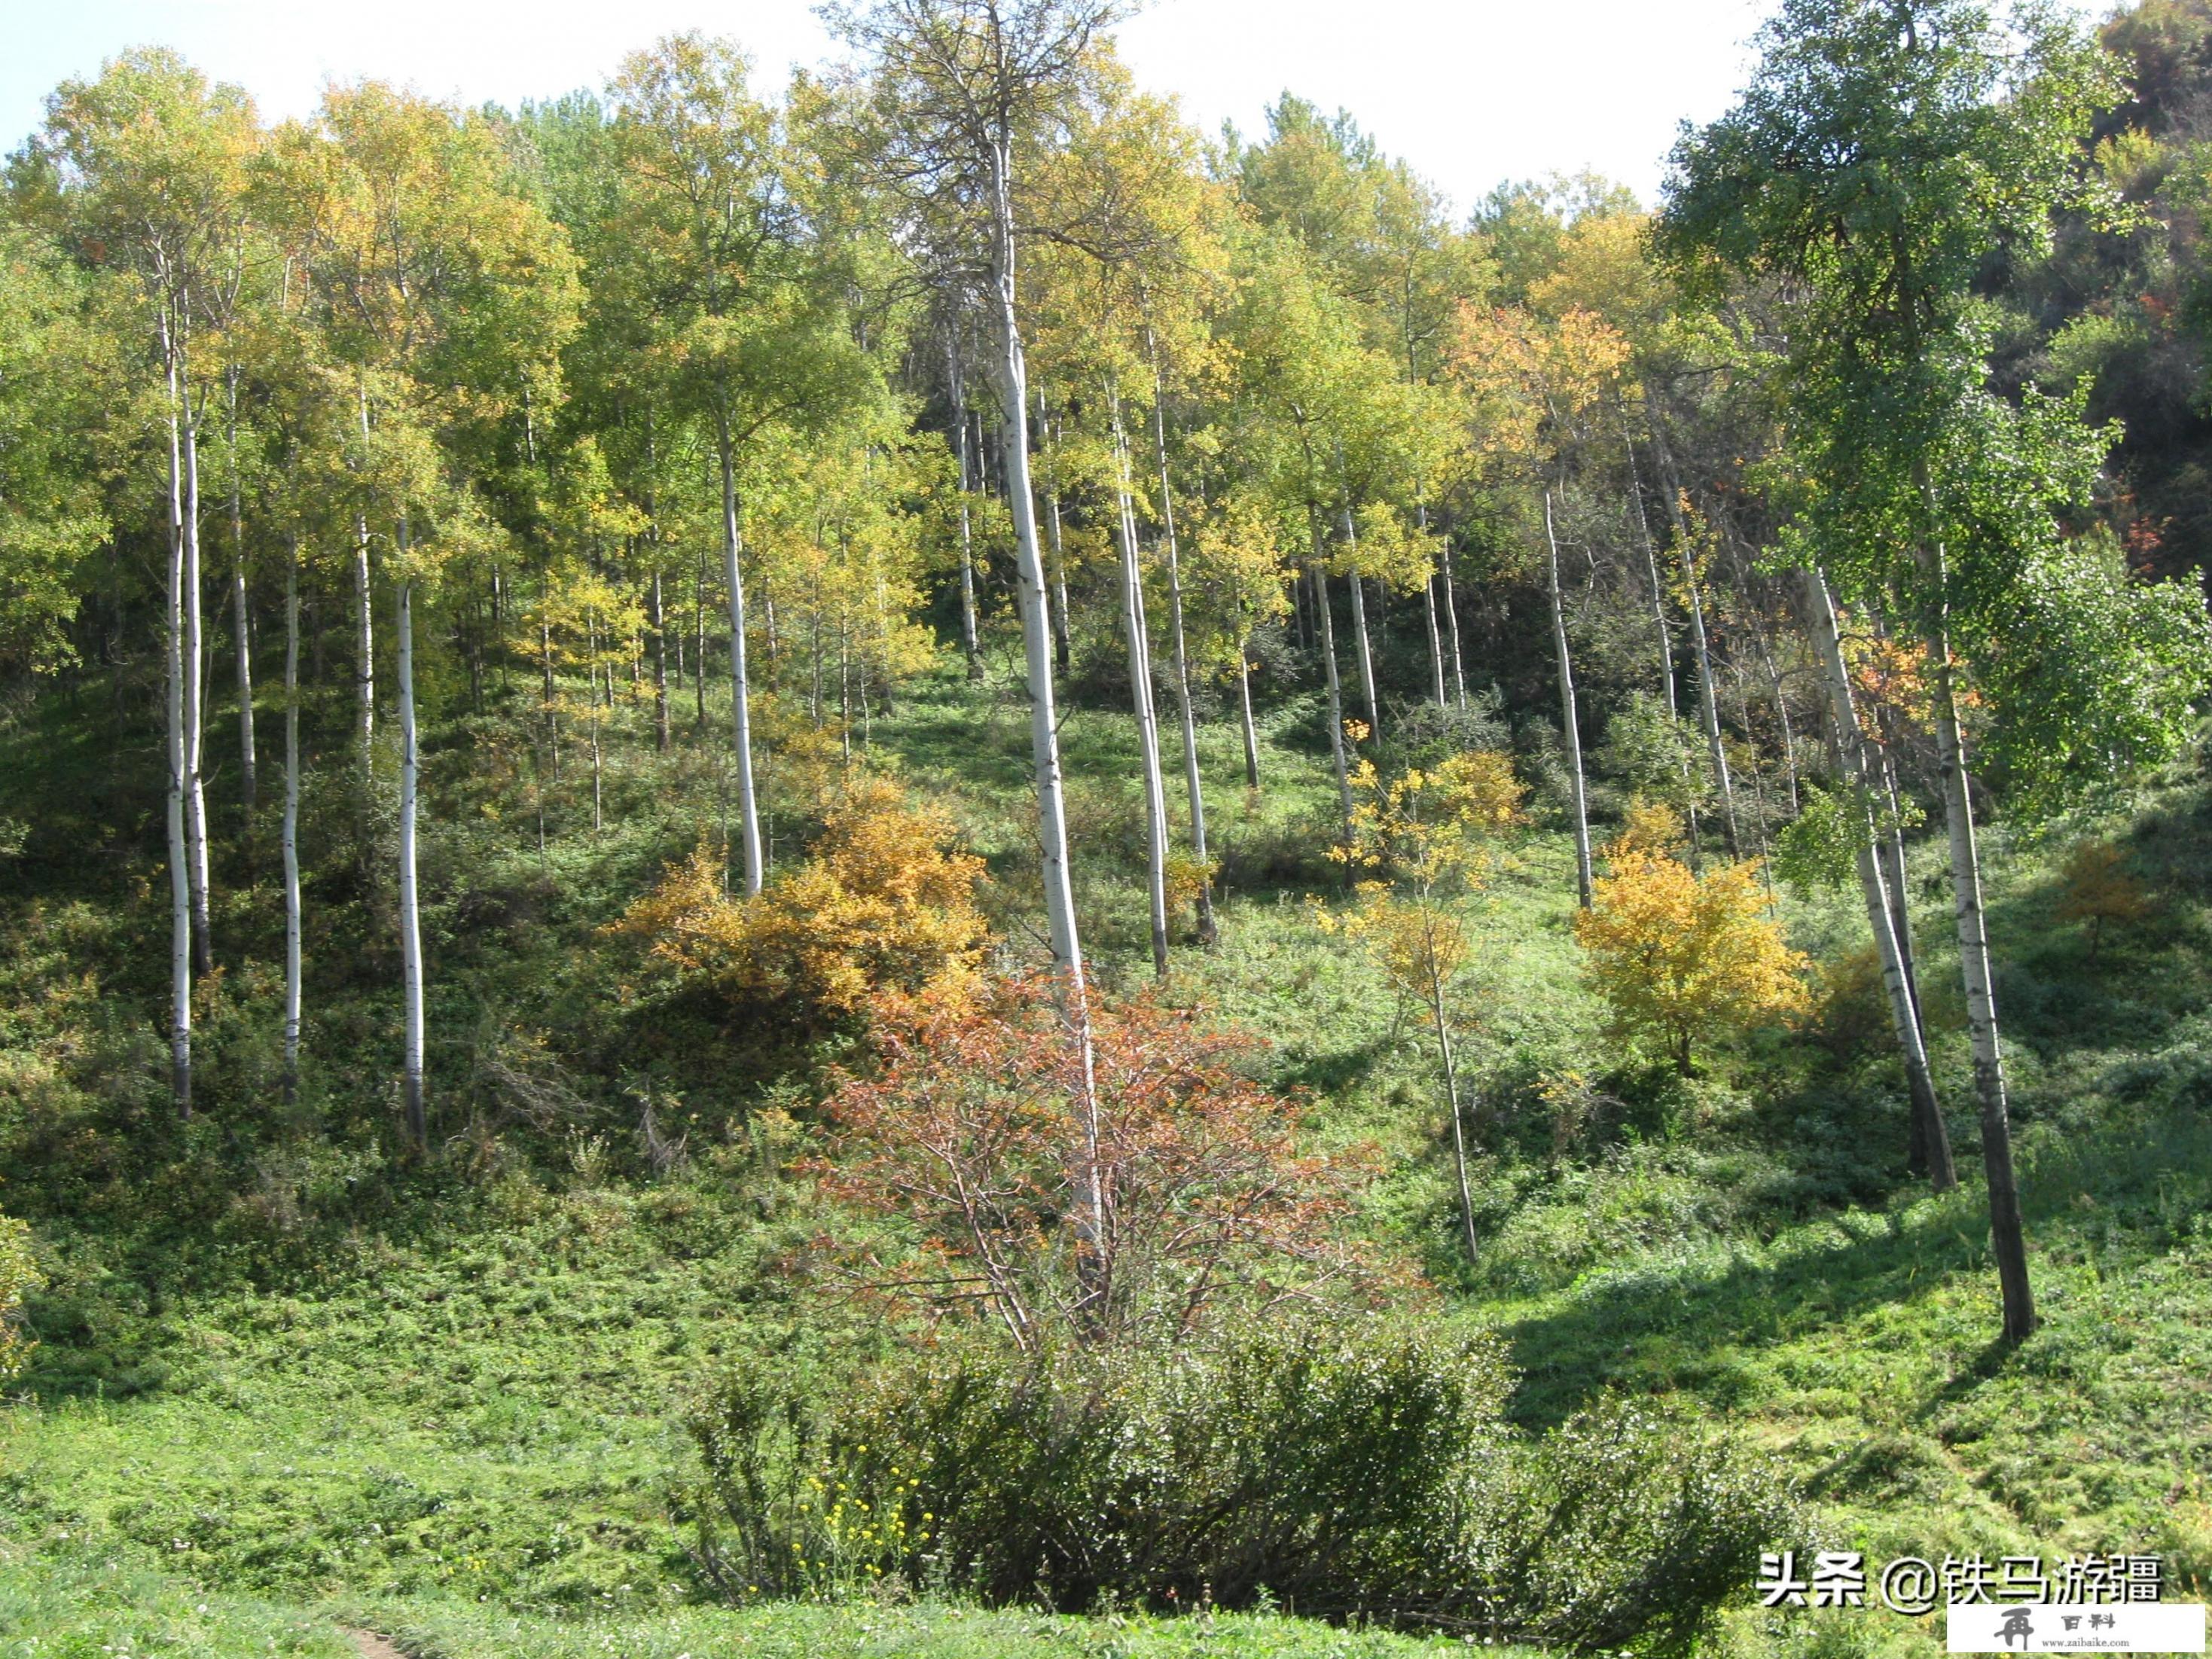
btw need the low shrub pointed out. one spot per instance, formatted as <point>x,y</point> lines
<point>1342,1471</point>
<point>18,1277</point>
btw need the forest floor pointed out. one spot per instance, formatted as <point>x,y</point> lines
<point>459,1423</point>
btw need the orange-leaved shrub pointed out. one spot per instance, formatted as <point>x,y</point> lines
<point>1137,1188</point>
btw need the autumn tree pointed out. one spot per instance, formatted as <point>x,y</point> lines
<point>884,901</point>
<point>1680,956</point>
<point>146,167</point>
<point>448,296</point>
<point>1879,152</point>
<point>754,332</point>
<point>1423,842</point>
<point>960,1130</point>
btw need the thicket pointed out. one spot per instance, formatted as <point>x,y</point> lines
<point>1362,1474</point>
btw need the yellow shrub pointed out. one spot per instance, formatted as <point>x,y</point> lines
<point>1680,956</point>
<point>18,1277</point>
<point>882,901</point>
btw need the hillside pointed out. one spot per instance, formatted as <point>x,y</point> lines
<point>284,1382</point>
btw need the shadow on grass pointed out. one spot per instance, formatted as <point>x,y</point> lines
<point>1657,1326</point>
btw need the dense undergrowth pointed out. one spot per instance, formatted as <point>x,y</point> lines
<point>293,1378</point>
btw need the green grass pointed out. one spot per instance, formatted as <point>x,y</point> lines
<point>287,1385</point>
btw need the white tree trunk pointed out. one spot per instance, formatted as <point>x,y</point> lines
<point>1585,879</point>
<point>195,820</point>
<point>741,717</point>
<point>1932,1143</point>
<point>2008,1235</point>
<point>364,626</point>
<point>1451,620</point>
<point>1707,692</point>
<point>1244,706</point>
<point>181,900</point>
<point>1087,1176</point>
<point>1191,783</point>
<point>970,646</point>
<point>248,780</point>
<point>1359,629</point>
<point>410,925</point>
<point>1335,695</point>
<point>290,832</point>
<point>1659,624</point>
<point>1062,642</point>
<point>1436,1012</point>
<point>1140,692</point>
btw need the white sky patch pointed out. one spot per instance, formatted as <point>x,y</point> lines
<point>1471,92</point>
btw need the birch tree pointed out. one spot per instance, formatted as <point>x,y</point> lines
<point>448,296</point>
<point>1879,151</point>
<point>958,86</point>
<point>149,164</point>
<point>754,335</point>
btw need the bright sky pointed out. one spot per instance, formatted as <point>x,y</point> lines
<point>1469,91</point>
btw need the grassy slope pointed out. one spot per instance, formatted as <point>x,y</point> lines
<point>480,1398</point>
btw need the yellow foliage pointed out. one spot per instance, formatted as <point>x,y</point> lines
<point>2096,886</point>
<point>1681,956</point>
<point>1419,943</point>
<point>1433,825</point>
<point>18,1276</point>
<point>1651,826</point>
<point>882,901</point>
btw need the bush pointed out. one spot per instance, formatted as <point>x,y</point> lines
<point>1344,1473</point>
<point>18,1277</point>
<point>882,902</point>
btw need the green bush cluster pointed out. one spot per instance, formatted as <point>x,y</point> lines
<point>1367,1476</point>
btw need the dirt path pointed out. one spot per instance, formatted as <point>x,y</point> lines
<point>372,1646</point>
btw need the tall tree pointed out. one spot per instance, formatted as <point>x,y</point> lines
<point>150,161</point>
<point>755,335</point>
<point>448,296</point>
<point>959,87</point>
<point>1880,150</point>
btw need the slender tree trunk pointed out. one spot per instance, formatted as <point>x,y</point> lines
<point>1436,639</point>
<point>1335,691</point>
<point>1244,705</point>
<point>1140,689</point>
<point>181,900</point>
<point>971,645</point>
<point>740,700</point>
<point>1708,693</point>
<point>244,644</point>
<point>364,628</point>
<point>195,816</point>
<point>1891,846</point>
<point>289,835</point>
<point>1088,1177</point>
<point>1931,1141</point>
<point>1062,641</point>
<point>1359,628</point>
<point>545,664</point>
<point>660,740</point>
<point>1451,622</point>
<point>411,923</point>
<point>1452,1100</point>
<point>699,643</point>
<point>1659,627</point>
<point>1206,933</point>
<point>1585,879</point>
<point>2008,1235</point>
